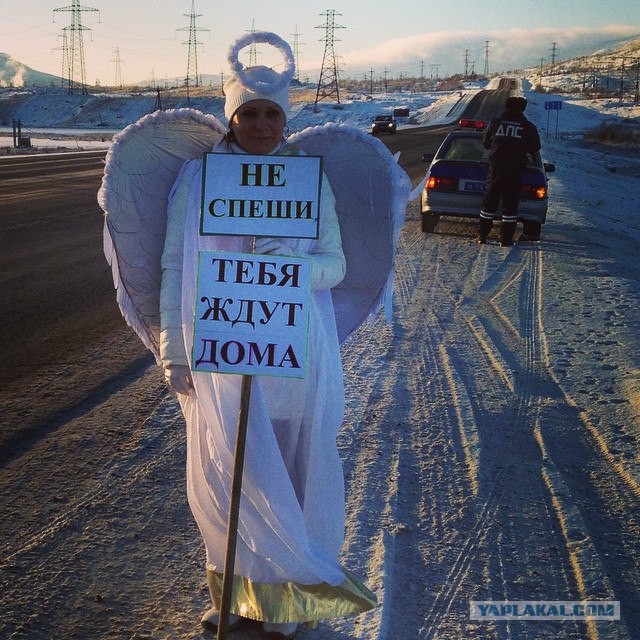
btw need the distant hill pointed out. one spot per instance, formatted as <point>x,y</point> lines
<point>610,56</point>
<point>16,74</point>
<point>610,69</point>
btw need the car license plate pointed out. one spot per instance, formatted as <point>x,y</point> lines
<point>474,186</point>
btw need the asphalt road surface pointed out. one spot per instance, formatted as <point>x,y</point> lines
<point>58,302</point>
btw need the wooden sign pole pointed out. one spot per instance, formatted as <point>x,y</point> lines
<point>234,510</point>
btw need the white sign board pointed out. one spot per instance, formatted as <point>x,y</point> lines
<point>257,195</point>
<point>252,314</point>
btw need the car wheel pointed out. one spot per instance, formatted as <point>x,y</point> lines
<point>532,230</point>
<point>429,222</point>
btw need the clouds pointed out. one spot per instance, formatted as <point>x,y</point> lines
<point>508,49</point>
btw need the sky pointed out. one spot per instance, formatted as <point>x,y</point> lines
<point>146,40</point>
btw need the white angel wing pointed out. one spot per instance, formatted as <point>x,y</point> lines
<point>141,168</point>
<point>371,192</point>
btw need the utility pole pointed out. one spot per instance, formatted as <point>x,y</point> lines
<point>371,81</point>
<point>466,63</point>
<point>158,103</point>
<point>328,83</point>
<point>192,60</point>
<point>76,77</point>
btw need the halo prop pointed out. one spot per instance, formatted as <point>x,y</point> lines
<point>258,85</point>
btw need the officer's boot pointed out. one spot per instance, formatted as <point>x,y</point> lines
<point>507,229</point>
<point>484,229</point>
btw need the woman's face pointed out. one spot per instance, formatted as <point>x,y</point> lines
<point>258,126</point>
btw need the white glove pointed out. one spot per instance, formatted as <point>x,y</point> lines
<point>275,246</point>
<point>178,378</point>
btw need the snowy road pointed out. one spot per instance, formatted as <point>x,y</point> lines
<point>490,449</point>
<point>492,483</point>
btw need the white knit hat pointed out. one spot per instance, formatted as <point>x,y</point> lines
<point>256,83</point>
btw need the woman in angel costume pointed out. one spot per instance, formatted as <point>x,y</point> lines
<point>291,525</point>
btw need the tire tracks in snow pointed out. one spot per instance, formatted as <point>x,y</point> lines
<point>539,403</point>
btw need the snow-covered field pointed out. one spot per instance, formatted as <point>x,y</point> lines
<point>491,443</point>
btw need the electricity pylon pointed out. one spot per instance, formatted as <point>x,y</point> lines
<point>328,83</point>
<point>192,61</point>
<point>65,56</point>
<point>76,77</point>
<point>296,53</point>
<point>118,61</point>
<point>486,59</point>
<point>253,51</point>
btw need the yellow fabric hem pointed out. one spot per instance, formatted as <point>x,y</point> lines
<point>291,601</point>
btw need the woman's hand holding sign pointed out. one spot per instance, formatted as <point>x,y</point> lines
<point>275,246</point>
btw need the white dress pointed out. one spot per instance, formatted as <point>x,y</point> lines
<point>291,525</point>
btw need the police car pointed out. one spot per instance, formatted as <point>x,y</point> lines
<point>456,179</point>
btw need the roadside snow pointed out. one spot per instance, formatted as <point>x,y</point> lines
<point>59,124</point>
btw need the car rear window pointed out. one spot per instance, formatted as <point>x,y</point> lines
<point>466,149</point>
<point>472,150</point>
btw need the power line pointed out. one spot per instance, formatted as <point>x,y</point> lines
<point>75,76</point>
<point>328,83</point>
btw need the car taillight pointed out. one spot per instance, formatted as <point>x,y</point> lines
<point>442,184</point>
<point>534,192</point>
<point>472,124</point>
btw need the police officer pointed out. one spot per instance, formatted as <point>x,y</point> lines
<point>509,138</point>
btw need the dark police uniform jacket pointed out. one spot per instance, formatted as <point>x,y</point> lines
<point>510,138</point>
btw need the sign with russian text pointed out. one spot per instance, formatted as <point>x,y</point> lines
<point>256,195</point>
<point>553,105</point>
<point>252,314</point>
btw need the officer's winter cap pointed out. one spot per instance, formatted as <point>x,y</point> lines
<point>516,103</point>
<point>257,83</point>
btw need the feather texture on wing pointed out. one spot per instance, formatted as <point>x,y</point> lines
<point>141,168</point>
<point>371,192</point>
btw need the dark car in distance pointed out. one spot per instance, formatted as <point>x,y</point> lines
<point>383,123</point>
<point>456,179</point>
